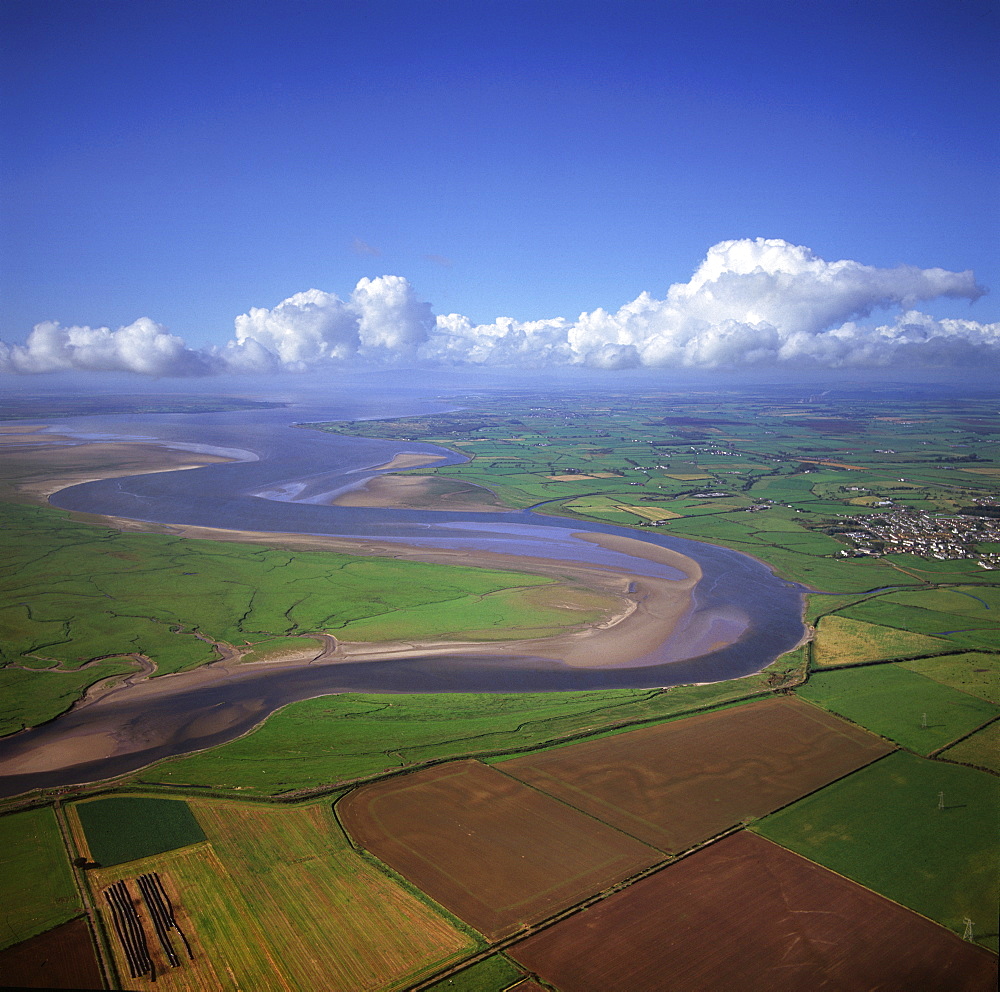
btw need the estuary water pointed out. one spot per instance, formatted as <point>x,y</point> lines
<point>281,484</point>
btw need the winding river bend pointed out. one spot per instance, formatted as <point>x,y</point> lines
<point>283,484</point>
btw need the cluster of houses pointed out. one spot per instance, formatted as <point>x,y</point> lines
<point>929,535</point>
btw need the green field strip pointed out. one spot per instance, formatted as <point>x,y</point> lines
<point>884,610</point>
<point>974,672</point>
<point>493,974</point>
<point>125,828</point>
<point>37,891</point>
<point>882,827</point>
<point>980,750</point>
<point>914,711</point>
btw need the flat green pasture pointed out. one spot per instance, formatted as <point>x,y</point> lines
<point>895,702</point>
<point>37,891</point>
<point>882,827</point>
<point>974,672</point>
<point>495,974</point>
<point>126,828</point>
<point>332,739</point>
<point>981,749</point>
<point>889,612</point>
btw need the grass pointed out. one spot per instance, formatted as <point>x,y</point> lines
<point>36,883</point>
<point>882,827</point>
<point>126,828</point>
<point>495,974</point>
<point>895,703</point>
<point>340,738</point>
<point>273,648</point>
<point>842,641</point>
<point>981,749</point>
<point>278,898</point>
<point>75,592</point>
<point>974,672</point>
<point>33,697</point>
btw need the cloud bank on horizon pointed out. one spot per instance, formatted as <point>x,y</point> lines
<point>761,302</point>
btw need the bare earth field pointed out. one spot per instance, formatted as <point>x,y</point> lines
<point>61,958</point>
<point>675,784</point>
<point>495,852</point>
<point>754,910</point>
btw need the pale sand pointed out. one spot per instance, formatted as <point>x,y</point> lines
<point>420,492</point>
<point>37,465</point>
<point>73,750</point>
<point>409,459</point>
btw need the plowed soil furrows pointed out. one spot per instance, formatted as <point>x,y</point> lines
<point>675,784</point>
<point>61,958</point>
<point>495,852</point>
<point>744,907</point>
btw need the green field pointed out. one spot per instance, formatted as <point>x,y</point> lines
<point>495,974</point>
<point>843,641</point>
<point>120,829</point>
<point>908,708</point>
<point>973,672</point>
<point>36,884</point>
<point>339,738</point>
<point>882,827</point>
<point>31,698</point>
<point>982,749</point>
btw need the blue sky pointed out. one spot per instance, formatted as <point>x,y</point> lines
<point>187,162</point>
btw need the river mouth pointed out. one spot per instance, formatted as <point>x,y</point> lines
<point>739,616</point>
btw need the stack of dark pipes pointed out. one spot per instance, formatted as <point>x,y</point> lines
<point>128,926</point>
<point>161,912</point>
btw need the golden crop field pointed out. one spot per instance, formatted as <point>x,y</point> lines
<point>648,512</point>
<point>278,899</point>
<point>842,641</point>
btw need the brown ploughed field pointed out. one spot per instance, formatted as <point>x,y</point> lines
<point>744,913</point>
<point>495,852</point>
<point>675,784</point>
<point>61,958</point>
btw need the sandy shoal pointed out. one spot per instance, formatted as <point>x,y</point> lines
<point>37,465</point>
<point>420,492</point>
<point>409,459</point>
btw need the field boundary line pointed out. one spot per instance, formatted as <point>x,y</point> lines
<point>576,809</point>
<point>958,740</point>
<point>881,895</point>
<point>105,957</point>
<point>531,929</point>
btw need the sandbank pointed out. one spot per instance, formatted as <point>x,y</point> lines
<point>37,465</point>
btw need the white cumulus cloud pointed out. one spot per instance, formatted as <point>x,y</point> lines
<point>749,303</point>
<point>142,346</point>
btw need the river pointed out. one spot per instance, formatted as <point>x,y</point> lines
<point>285,474</point>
